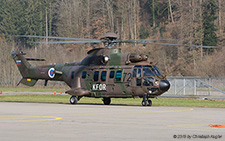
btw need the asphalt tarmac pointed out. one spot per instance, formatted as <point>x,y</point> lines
<point>38,121</point>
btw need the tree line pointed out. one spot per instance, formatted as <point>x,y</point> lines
<point>199,22</point>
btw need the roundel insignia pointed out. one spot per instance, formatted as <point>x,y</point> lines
<point>51,72</point>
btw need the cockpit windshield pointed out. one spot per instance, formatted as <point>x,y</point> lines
<point>145,75</point>
<point>156,71</point>
<point>147,71</point>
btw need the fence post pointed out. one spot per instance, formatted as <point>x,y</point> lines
<point>175,86</point>
<point>184,87</point>
<point>195,85</point>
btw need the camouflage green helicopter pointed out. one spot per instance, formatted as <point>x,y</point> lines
<point>104,73</point>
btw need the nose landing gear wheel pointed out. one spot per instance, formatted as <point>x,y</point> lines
<point>146,101</point>
<point>73,100</point>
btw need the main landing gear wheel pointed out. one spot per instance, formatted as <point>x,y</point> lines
<point>146,101</point>
<point>73,100</point>
<point>106,100</point>
<point>149,103</point>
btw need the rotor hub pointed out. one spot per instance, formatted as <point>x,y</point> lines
<point>110,35</point>
<point>109,39</point>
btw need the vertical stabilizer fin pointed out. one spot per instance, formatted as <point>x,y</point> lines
<point>21,62</point>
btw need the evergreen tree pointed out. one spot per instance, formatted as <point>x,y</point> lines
<point>24,17</point>
<point>143,32</point>
<point>157,12</point>
<point>8,19</point>
<point>209,16</point>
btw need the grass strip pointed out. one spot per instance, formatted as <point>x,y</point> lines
<point>32,89</point>
<point>116,101</point>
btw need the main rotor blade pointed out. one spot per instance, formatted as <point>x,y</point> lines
<point>70,42</point>
<point>168,44</point>
<point>137,40</point>
<point>61,38</point>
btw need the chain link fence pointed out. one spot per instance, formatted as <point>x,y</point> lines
<point>179,86</point>
<point>196,86</point>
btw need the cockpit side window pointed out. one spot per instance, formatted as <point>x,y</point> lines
<point>148,81</point>
<point>138,82</point>
<point>134,72</point>
<point>139,73</point>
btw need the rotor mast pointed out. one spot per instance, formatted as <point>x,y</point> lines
<point>109,39</point>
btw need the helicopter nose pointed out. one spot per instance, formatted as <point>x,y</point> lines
<point>164,85</point>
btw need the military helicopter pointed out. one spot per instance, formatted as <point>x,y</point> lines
<point>104,73</point>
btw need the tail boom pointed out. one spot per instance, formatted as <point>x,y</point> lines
<point>31,73</point>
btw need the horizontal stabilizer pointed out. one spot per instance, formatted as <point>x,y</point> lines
<point>34,59</point>
<point>58,72</point>
<point>28,81</point>
<point>78,92</point>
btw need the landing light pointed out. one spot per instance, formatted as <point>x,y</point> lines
<point>156,83</point>
<point>105,59</point>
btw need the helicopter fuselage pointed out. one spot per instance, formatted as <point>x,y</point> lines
<point>105,72</point>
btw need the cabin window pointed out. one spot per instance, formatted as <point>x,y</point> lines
<point>72,75</point>
<point>84,73</point>
<point>103,76</point>
<point>112,73</point>
<point>118,75</point>
<point>96,74</point>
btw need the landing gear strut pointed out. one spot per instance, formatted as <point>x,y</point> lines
<point>106,100</point>
<point>146,101</point>
<point>74,99</point>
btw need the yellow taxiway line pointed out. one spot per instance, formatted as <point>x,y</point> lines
<point>27,118</point>
<point>126,113</point>
<point>59,117</point>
